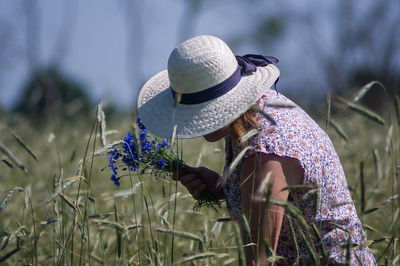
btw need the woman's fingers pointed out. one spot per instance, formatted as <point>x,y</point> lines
<point>193,184</point>
<point>177,175</point>
<point>197,191</point>
<point>193,179</point>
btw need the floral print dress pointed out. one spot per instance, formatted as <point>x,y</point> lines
<point>324,201</point>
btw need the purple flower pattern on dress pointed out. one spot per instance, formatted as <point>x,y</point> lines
<point>297,135</point>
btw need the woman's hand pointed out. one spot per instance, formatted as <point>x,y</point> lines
<point>198,179</point>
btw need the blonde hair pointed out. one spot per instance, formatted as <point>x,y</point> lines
<point>244,123</point>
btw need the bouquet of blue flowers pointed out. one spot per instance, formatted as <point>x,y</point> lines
<point>143,154</point>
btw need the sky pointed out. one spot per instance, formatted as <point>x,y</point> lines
<point>108,46</point>
<point>113,47</point>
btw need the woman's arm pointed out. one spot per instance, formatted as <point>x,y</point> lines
<point>265,225</point>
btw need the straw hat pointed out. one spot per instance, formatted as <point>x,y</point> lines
<point>205,88</point>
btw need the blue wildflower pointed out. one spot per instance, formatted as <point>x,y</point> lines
<point>112,165</point>
<point>143,135</point>
<point>139,123</point>
<point>146,147</point>
<point>128,138</point>
<point>130,157</point>
<point>115,154</point>
<point>115,180</point>
<point>162,145</point>
<point>160,163</point>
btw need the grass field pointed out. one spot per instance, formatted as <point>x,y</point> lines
<point>57,210</point>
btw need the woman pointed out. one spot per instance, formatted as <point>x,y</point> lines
<point>208,91</point>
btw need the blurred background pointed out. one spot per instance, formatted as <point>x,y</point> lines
<point>63,56</point>
<point>58,58</point>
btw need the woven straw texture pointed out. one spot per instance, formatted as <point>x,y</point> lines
<point>195,65</point>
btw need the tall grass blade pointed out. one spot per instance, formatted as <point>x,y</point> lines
<point>248,135</point>
<point>12,158</point>
<point>65,184</point>
<point>118,232</point>
<point>309,248</point>
<point>386,249</point>
<point>321,245</point>
<point>348,252</point>
<point>123,194</point>
<point>9,254</point>
<point>100,216</point>
<point>370,228</point>
<point>246,226</point>
<point>6,162</point>
<point>390,200</point>
<point>22,144</point>
<point>388,139</point>
<point>224,219</point>
<point>386,202</point>
<point>68,201</point>
<point>101,119</point>
<point>110,224</point>
<point>377,163</point>
<point>294,212</point>
<point>371,210</point>
<point>8,197</point>
<point>199,256</point>
<point>362,188</point>
<point>266,116</point>
<point>328,109</point>
<point>339,130</point>
<point>280,105</point>
<point>367,113</point>
<point>233,165</point>
<point>365,89</point>
<point>181,234</point>
<point>397,106</point>
<point>273,259</point>
<point>239,243</point>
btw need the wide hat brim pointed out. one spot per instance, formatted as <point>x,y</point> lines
<point>160,114</point>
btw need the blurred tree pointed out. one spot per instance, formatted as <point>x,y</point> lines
<point>51,93</point>
<point>365,46</point>
<point>347,43</point>
<point>48,91</point>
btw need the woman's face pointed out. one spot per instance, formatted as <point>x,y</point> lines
<point>219,134</point>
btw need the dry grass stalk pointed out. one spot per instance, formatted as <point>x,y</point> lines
<point>367,113</point>
<point>14,159</point>
<point>240,247</point>
<point>65,184</point>
<point>248,135</point>
<point>365,89</point>
<point>101,119</point>
<point>339,130</point>
<point>8,197</point>
<point>110,224</point>
<point>377,163</point>
<point>68,201</point>
<point>6,162</point>
<point>397,107</point>
<point>182,234</point>
<point>266,116</point>
<point>196,257</point>
<point>22,144</point>
<point>388,139</point>
<point>233,165</point>
<point>328,109</point>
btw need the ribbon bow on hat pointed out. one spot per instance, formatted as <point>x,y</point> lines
<point>246,65</point>
<point>250,62</point>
